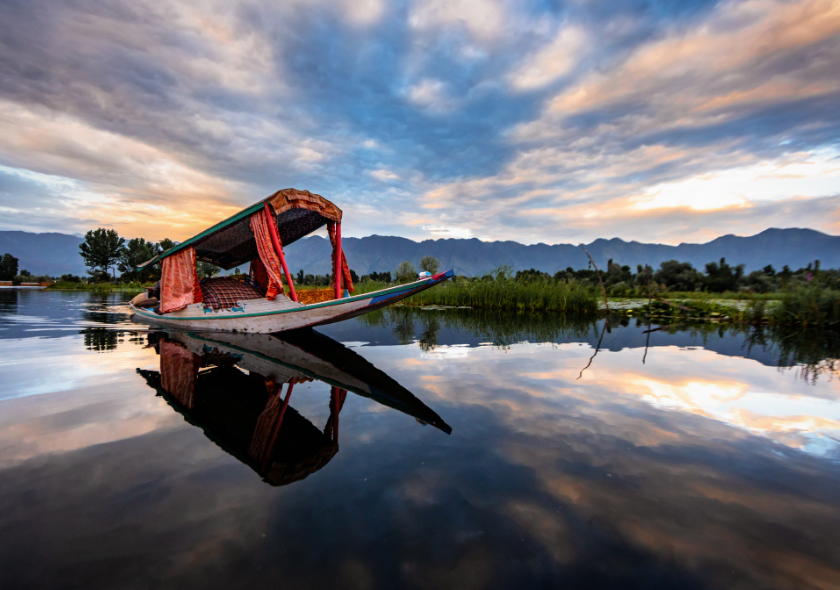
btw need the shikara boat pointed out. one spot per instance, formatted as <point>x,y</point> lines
<point>262,303</point>
<point>203,376</point>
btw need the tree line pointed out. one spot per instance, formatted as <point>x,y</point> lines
<point>104,252</point>
<point>672,275</point>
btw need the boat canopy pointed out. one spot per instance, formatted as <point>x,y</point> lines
<point>231,242</point>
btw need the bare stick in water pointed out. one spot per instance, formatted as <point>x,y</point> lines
<point>597,348</point>
<point>647,340</point>
<point>606,303</point>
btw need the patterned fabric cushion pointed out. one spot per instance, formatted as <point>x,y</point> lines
<point>310,296</point>
<point>224,292</point>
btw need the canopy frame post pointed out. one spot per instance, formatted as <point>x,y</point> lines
<point>338,270</point>
<point>275,238</point>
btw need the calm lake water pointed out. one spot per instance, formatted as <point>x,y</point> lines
<point>417,449</point>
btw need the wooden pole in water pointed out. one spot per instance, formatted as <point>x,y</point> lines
<point>597,272</point>
<point>275,239</point>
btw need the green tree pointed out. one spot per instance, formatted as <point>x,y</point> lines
<point>136,252</point>
<point>101,249</point>
<point>166,244</point>
<point>644,275</point>
<point>679,276</point>
<point>784,276</point>
<point>528,276</point>
<point>406,272</point>
<point>206,270</point>
<point>8,267</point>
<point>722,277</point>
<point>430,264</point>
<point>300,277</point>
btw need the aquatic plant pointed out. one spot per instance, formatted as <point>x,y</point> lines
<point>812,305</point>
<point>504,293</point>
<point>98,287</point>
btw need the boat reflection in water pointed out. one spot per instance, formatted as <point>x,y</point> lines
<point>237,388</point>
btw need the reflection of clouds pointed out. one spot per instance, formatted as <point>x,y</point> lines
<point>726,389</point>
<point>458,351</point>
<point>661,455</point>
<point>543,476</point>
<point>34,366</point>
<point>77,419</point>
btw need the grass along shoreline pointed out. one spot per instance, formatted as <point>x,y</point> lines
<point>98,287</point>
<point>504,293</point>
<point>811,305</point>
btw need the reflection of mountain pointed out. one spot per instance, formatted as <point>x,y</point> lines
<point>249,414</point>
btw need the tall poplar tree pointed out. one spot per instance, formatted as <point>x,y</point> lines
<point>101,249</point>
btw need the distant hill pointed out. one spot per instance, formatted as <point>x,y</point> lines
<point>794,247</point>
<point>44,254</point>
<point>56,254</point>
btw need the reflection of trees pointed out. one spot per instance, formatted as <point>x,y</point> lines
<point>502,328</point>
<point>8,301</point>
<point>402,321</point>
<point>374,318</point>
<point>101,339</point>
<point>811,351</point>
<point>430,327</point>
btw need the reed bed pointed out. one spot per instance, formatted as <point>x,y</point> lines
<point>503,293</point>
<point>98,287</point>
<point>808,306</point>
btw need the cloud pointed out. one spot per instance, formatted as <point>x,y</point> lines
<point>504,120</point>
<point>552,61</point>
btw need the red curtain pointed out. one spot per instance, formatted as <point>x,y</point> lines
<point>179,281</point>
<point>345,270</point>
<point>268,257</point>
<point>260,275</point>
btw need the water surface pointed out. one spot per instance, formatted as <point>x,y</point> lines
<point>418,449</point>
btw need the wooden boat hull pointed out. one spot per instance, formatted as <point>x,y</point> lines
<point>262,316</point>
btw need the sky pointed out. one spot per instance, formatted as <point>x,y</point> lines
<point>534,121</point>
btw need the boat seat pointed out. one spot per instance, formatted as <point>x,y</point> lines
<point>225,292</point>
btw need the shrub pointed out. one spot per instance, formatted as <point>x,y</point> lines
<point>406,272</point>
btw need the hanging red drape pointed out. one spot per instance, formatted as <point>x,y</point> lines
<point>265,246</point>
<point>179,281</point>
<point>345,269</point>
<point>260,275</point>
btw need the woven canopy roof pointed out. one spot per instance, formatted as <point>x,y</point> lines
<point>231,242</point>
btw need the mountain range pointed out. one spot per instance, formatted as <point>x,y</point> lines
<point>56,254</point>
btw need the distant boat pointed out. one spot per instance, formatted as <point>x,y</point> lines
<point>202,376</point>
<point>257,235</point>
